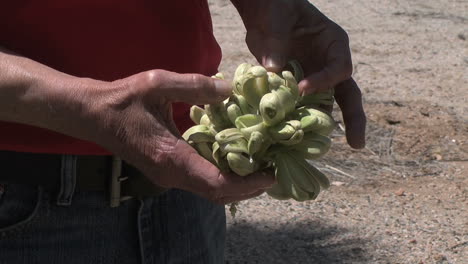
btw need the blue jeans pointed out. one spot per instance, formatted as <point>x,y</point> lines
<point>175,227</point>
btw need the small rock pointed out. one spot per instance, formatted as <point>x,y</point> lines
<point>357,250</point>
<point>400,192</point>
<point>424,113</point>
<point>412,241</point>
<point>339,140</point>
<point>436,157</point>
<point>392,122</point>
<point>338,183</point>
<point>440,259</point>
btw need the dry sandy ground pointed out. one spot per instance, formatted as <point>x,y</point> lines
<point>403,199</point>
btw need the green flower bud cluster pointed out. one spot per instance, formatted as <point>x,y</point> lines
<point>264,123</point>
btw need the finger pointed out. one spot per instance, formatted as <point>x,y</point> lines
<point>349,98</point>
<point>205,179</point>
<point>338,67</point>
<point>238,198</point>
<point>232,184</point>
<point>188,88</point>
<point>275,54</point>
<point>279,27</point>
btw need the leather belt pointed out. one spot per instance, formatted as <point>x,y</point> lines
<point>93,173</point>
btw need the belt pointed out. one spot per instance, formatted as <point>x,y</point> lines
<point>93,173</point>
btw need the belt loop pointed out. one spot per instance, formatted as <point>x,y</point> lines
<point>67,180</point>
<point>116,183</point>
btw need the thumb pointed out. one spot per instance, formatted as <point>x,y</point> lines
<point>188,88</point>
<point>206,180</point>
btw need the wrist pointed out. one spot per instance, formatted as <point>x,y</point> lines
<point>248,10</point>
<point>95,105</point>
<point>65,104</point>
<point>33,94</point>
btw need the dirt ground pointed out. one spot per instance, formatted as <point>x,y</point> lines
<point>402,199</point>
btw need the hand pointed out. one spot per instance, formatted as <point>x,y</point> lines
<point>131,117</point>
<point>279,31</point>
<point>135,122</point>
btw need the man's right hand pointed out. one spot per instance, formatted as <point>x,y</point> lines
<point>134,121</point>
<point>131,117</point>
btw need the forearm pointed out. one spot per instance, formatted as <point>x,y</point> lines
<point>34,94</point>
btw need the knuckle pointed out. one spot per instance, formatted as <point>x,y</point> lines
<point>203,85</point>
<point>355,89</point>
<point>358,92</point>
<point>343,33</point>
<point>196,81</point>
<point>154,78</point>
<point>347,68</point>
<point>342,70</point>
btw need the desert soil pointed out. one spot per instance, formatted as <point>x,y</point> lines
<point>402,199</point>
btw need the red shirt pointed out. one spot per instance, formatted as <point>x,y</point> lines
<point>105,40</point>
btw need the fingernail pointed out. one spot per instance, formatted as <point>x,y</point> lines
<point>274,62</point>
<point>223,88</point>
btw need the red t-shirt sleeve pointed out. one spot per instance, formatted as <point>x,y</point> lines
<point>105,40</point>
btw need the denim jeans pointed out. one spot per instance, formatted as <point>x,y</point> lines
<point>73,226</point>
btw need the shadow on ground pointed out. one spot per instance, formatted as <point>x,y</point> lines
<point>310,242</point>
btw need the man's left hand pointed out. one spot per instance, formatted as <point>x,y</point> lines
<point>283,30</point>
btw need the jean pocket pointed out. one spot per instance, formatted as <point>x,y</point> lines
<point>19,205</point>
